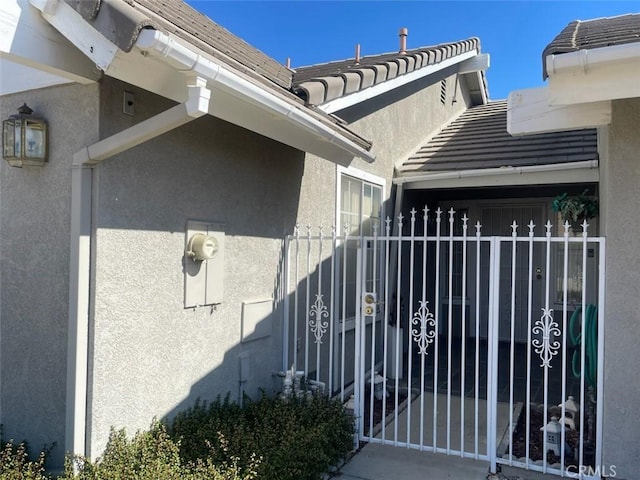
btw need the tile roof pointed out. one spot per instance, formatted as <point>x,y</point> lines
<point>596,33</point>
<point>318,84</point>
<point>479,139</point>
<point>121,21</point>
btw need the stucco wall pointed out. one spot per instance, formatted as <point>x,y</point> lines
<point>151,357</point>
<point>398,123</point>
<point>34,269</point>
<point>621,195</point>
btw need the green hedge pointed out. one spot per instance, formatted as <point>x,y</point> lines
<point>16,465</point>
<point>296,438</point>
<point>150,455</point>
<point>266,439</point>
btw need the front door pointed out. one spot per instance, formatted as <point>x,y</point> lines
<point>499,220</point>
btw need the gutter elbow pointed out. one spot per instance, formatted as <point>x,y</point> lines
<point>198,97</point>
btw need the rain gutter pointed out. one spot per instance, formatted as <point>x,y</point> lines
<point>495,172</point>
<point>160,45</point>
<point>587,59</point>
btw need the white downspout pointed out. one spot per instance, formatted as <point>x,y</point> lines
<point>196,105</point>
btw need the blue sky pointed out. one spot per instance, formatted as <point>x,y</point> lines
<point>514,33</point>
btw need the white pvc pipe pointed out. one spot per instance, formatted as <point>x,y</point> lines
<point>197,104</point>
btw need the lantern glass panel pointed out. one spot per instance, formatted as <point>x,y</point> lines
<point>8,139</point>
<point>18,140</point>
<point>34,137</point>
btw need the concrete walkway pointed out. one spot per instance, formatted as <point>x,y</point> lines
<point>375,461</point>
<point>382,462</point>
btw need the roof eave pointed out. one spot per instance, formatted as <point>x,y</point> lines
<point>340,103</point>
<point>594,75</point>
<point>569,172</point>
<point>237,97</point>
<point>312,132</point>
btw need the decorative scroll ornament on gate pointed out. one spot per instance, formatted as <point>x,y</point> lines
<point>548,346</point>
<point>318,310</point>
<point>426,333</point>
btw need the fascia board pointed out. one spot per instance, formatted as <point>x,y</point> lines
<point>611,82</point>
<point>570,172</point>
<point>475,64</point>
<point>81,34</point>
<point>384,87</point>
<point>27,39</point>
<point>529,111</point>
<point>16,77</point>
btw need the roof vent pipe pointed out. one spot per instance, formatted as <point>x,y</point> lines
<point>288,62</point>
<point>357,53</point>
<point>403,40</point>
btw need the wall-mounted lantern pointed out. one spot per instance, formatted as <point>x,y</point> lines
<point>24,139</point>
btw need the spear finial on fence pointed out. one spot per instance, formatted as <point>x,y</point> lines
<point>548,226</point>
<point>438,214</point>
<point>514,229</point>
<point>585,225</point>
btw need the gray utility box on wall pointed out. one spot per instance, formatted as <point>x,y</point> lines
<point>203,264</point>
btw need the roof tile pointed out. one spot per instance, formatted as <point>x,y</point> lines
<point>122,20</point>
<point>479,139</point>
<point>368,77</point>
<point>395,64</point>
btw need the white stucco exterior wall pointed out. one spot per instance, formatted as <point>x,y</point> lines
<point>398,123</point>
<point>621,192</point>
<point>150,357</point>
<point>34,269</point>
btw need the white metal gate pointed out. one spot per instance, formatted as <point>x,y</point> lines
<point>445,340</point>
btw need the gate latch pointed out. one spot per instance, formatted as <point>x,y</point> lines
<point>368,304</point>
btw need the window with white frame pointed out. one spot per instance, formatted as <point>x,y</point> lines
<point>359,213</point>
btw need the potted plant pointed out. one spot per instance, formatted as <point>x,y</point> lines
<point>575,208</point>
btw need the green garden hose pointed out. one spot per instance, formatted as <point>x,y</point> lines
<point>590,342</point>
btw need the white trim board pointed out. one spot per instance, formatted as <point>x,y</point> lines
<point>375,90</point>
<point>574,172</point>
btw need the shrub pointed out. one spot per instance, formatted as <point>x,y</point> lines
<point>15,463</point>
<point>296,438</point>
<point>150,455</point>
